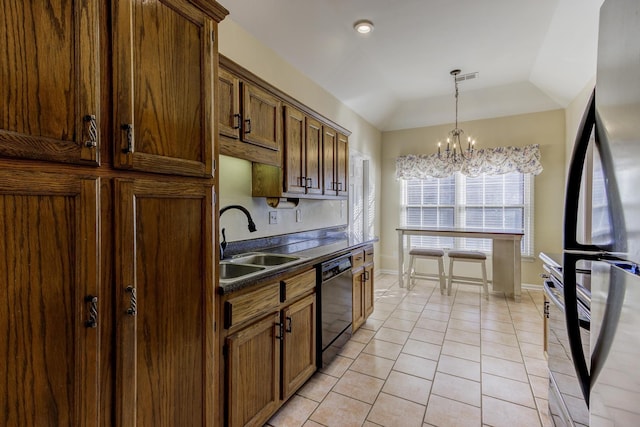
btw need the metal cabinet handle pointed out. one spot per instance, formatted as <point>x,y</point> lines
<point>92,321</point>
<point>92,130</point>
<point>303,182</point>
<point>128,128</point>
<point>133,308</point>
<point>248,126</point>
<point>279,331</point>
<point>288,328</point>
<point>310,183</point>
<point>339,186</point>
<point>236,121</point>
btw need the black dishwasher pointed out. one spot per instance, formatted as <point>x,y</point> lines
<point>336,307</point>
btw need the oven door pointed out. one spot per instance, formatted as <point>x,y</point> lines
<point>566,402</point>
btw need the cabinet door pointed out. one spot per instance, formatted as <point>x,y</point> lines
<point>163,68</point>
<point>342,165</point>
<point>262,121</point>
<point>329,137</point>
<point>164,303</point>
<point>48,316</point>
<point>313,138</point>
<point>228,97</point>
<point>253,372</point>
<point>50,80</point>
<point>295,180</point>
<point>299,344</point>
<point>368,291</point>
<point>358,307</point>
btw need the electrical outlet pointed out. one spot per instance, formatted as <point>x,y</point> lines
<point>298,215</point>
<point>273,217</point>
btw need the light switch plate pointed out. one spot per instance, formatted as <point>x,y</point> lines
<point>273,217</point>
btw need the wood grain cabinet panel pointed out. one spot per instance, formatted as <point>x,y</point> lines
<point>50,80</point>
<point>48,279</point>
<point>163,68</point>
<point>253,372</point>
<point>299,344</point>
<point>164,303</point>
<point>342,165</point>
<point>303,153</point>
<point>228,102</point>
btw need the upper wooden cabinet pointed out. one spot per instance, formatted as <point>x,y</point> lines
<point>228,105</point>
<point>335,148</point>
<point>164,63</point>
<point>250,120</point>
<point>303,154</point>
<point>51,310</point>
<point>342,165</point>
<point>49,81</point>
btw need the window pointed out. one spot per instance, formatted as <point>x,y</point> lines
<point>499,202</point>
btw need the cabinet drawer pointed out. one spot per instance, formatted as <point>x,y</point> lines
<point>357,258</point>
<point>244,307</point>
<point>300,284</point>
<point>368,254</point>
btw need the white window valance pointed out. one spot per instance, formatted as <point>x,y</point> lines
<point>490,161</point>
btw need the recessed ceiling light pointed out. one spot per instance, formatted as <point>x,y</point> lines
<point>363,26</point>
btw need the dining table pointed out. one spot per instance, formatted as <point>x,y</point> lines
<point>505,254</point>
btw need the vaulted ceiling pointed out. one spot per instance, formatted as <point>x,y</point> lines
<point>530,55</point>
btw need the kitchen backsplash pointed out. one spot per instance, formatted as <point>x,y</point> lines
<point>235,189</point>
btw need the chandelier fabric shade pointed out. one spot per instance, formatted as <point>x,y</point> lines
<point>490,161</point>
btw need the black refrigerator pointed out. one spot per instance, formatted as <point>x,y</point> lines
<point>608,366</point>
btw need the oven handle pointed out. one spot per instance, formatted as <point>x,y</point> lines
<point>548,292</point>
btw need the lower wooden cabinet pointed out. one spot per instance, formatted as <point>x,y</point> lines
<point>299,344</point>
<point>363,287</point>
<point>268,357</point>
<point>50,331</point>
<point>253,372</point>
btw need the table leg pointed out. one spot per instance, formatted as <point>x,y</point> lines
<point>400,259</point>
<point>507,275</point>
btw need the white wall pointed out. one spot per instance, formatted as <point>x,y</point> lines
<point>545,128</point>
<point>235,175</point>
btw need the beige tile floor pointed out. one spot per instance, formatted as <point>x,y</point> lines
<point>424,359</point>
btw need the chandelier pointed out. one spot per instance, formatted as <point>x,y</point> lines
<point>457,153</point>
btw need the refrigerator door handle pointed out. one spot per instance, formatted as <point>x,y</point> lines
<point>574,179</point>
<point>573,323</point>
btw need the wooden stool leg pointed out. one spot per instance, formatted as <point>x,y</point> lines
<point>450,276</point>
<point>411,282</point>
<point>484,280</point>
<point>443,284</point>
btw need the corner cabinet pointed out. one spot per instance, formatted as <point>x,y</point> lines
<point>50,81</point>
<point>270,347</point>
<point>164,61</point>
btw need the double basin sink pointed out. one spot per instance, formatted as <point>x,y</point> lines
<point>242,266</point>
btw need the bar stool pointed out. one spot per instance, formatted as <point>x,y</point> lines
<point>432,254</point>
<point>468,256</point>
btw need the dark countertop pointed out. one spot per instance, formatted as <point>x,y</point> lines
<point>311,252</point>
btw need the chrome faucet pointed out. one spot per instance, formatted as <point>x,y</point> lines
<point>251,225</point>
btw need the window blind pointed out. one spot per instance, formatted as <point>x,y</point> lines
<point>499,202</point>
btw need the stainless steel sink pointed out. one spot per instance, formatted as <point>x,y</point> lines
<point>264,259</point>
<point>230,270</point>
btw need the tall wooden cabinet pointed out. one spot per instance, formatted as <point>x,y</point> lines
<point>49,318</point>
<point>107,267</point>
